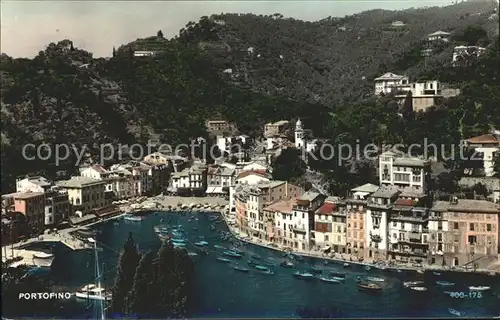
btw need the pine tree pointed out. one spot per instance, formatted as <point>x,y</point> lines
<point>114,52</point>
<point>140,297</point>
<point>130,53</point>
<point>159,34</point>
<point>163,265</point>
<point>407,109</point>
<point>127,266</point>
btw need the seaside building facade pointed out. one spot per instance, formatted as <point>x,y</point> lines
<point>85,194</point>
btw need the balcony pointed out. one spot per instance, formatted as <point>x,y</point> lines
<point>375,237</point>
<point>409,218</point>
<point>356,201</point>
<point>417,253</point>
<point>299,228</point>
<point>377,205</point>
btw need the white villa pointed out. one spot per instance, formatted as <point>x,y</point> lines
<point>389,82</point>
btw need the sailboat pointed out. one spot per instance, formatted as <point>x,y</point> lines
<point>96,291</point>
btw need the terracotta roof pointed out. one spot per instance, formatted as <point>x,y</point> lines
<point>485,138</point>
<point>327,208</point>
<point>285,206</point>
<point>28,195</point>
<point>404,202</point>
<point>262,173</point>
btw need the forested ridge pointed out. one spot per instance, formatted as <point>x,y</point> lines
<point>320,71</point>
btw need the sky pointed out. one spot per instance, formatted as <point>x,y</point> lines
<point>96,26</point>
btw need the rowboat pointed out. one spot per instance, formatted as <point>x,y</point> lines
<point>192,254</point>
<point>178,240</point>
<point>241,269</point>
<point>238,251</point>
<point>287,264</point>
<point>479,288</point>
<point>445,283</point>
<point>375,279</point>
<point>346,265</point>
<point>437,273</point>
<point>368,268</point>
<point>255,256</point>
<point>305,275</point>
<point>421,289</point>
<point>330,280</point>
<point>261,268</point>
<point>337,274</point>
<point>409,284</point>
<point>369,287</point>
<point>179,245</point>
<point>232,254</point>
<point>455,312</point>
<point>223,260</point>
<point>217,246</point>
<point>200,243</point>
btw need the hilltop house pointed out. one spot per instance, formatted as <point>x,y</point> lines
<point>487,145</point>
<point>438,36</point>
<point>389,82</point>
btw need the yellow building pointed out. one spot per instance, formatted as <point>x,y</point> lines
<point>85,194</point>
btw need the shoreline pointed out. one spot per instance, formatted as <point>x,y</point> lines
<point>424,269</point>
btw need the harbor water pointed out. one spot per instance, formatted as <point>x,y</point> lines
<point>223,292</point>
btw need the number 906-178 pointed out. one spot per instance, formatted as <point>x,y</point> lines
<point>465,295</point>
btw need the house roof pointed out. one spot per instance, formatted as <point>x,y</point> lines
<point>27,195</point>
<point>439,33</point>
<point>309,196</point>
<point>410,162</point>
<point>467,206</point>
<point>367,187</point>
<point>386,192</point>
<point>405,202</point>
<point>78,182</point>
<point>284,206</point>
<point>99,168</point>
<point>258,172</point>
<point>390,76</point>
<point>327,208</point>
<point>412,192</point>
<point>483,139</point>
<point>40,181</point>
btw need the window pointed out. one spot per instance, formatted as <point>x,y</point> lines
<point>488,227</point>
<point>472,239</point>
<point>326,239</point>
<point>455,225</point>
<point>440,237</point>
<point>471,227</point>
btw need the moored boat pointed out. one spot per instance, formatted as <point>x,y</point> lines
<point>220,259</point>
<point>287,264</point>
<point>192,254</point>
<point>436,273</point>
<point>241,269</point>
<point>200,243</point>
<point>133,217</point>
<point>409,284</point>
<point>42,259</point>
<point>178,244</point>
<point>238,251</point>
<point>217,246</point>
<point>479,288</point>
<point>255,256</point>
<point>330,280</point>
<point>252,263</point>
<point>420,289</point>
<point>368,268</point>
<point>178,240</point>
<point>369,287</point>
<point>455,312</point>
<point>232,254</point>
<point>92,292</point>
<point>445,283</point>
<point>261,268</point>
<point>305,275</point>
<point>375,279</point>
<point>346,265</point>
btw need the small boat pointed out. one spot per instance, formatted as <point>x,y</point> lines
<point>255,256</point>
<point>261,268</point>
<point>43,259</point>
<point>399,271</point>
<point>346,265</point>
<point>420,289</point>
<point>368,268</point>
<point>479,288</point>
<point>178,240</point>
<point>455,312</point>
<point>359,280</point>
<point>409,284</point>
<point>132,217</point>
<point>178,244</point>
<point>287,264</point>
<point>369,287</point>
<point>305,275</point>
<point>216,246</point>
<point>316,269</point>
<point>337,274</point>
<point>268,272</point>
<point>241,269</point>
<point>297,257</point>
<point>325,262</point>
<point>420,271</point>
<point>436,273</point>
<point>445,283</point>
<point>192,254</point>
<point>200,243</point>
<point>232,254</point>
<point>223,260</point>
<point>330,280</point>
<point>92,292</point>
<point>375,279</point>
<point>238,251</point>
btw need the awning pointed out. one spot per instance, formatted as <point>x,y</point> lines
<point>216,190</point>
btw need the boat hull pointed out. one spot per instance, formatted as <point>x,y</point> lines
<point>45,262</point>
<point>83,295</point>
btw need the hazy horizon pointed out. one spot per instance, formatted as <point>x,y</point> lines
<point>96,26</point>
